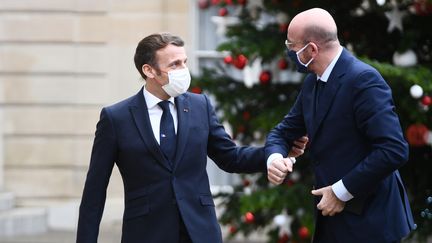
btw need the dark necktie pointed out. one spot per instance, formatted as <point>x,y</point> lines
<point>167,132</point>
<point>319,86</point>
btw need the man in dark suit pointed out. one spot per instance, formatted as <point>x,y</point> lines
<point>356,141</point>
<point>159,139</point>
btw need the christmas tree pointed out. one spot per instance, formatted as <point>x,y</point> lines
<point>393,36</point>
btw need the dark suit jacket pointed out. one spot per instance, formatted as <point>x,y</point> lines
<point>354,136</point>
<point>156,194</point>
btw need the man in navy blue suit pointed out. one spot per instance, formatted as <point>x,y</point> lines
<point>160,139</point>
<point>356,141</point>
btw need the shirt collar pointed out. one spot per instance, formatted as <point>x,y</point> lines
<point>330,67</point>
<point>152,100</point>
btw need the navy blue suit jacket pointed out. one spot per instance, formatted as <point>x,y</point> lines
<point>355,136</point>
<point>156,194</point>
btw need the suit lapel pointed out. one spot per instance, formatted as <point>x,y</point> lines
<point>139,112</point>
<point>308,104</point>
<point>183,114</point>
<point>330,91</point>
<point>327,97</point>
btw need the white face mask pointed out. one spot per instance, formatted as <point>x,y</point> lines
<point>178,82</point>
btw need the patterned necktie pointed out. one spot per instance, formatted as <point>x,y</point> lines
<point>168,139</point>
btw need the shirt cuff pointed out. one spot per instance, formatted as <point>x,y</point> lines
<point>341,192</point>
<point>293,159</point>
<point>278,156</point>
<point>273,157</point>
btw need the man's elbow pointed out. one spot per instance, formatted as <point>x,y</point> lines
<point>405,154</point>
<point>401,156</point>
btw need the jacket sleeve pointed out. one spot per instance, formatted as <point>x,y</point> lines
<point>101,164</point>
<point>375,116</point>
<point>281,138</point>
<point>226,154</point>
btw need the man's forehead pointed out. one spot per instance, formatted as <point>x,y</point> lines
<point>291,38</point>
<point>171,53</point>
<point>294,32</point>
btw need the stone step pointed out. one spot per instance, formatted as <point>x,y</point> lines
<point>23,221</point>
<point>7,201</point>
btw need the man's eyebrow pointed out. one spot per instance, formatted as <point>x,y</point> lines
<point>176,62</point>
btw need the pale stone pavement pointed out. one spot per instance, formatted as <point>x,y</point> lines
<point>60,237</point>
<point>108,236</point>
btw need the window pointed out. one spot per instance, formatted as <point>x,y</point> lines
<point>204,54</point>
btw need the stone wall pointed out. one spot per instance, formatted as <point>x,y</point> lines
<point>61,61</point>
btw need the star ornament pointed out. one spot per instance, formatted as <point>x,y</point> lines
<point>223,22</point>
<point>395,17</point>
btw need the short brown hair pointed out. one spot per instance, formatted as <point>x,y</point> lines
<point>145,52</point>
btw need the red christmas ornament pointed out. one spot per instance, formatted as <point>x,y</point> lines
<point>423,7</point>
<point>249,218</point>
<point>228,59</point>
<point>426,100</point>
<point>265,77</point>
<point>232,229</point>
<point>229,2</point>
<point>196,90</point>
<point>282,64</point>
<point>246,115</point>
<point>241,129</point>
<point>203,4</point>
<point>215,2</point>
<point>289,182</point>
<point>303,232</point>
<point>240,61</point>
<point>246,182</point>
<point>223,12</point>
<point>283,27</point>
<point>241,2</point>
<point>416,134</point>
<point>283,238</point>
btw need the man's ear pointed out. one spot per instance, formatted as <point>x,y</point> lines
<point>314,48</point>
<point>147,70</point>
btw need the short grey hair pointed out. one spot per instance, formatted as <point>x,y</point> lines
<point>319,34</point>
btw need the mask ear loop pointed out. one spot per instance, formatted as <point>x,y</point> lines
<point>298,58</point>
<point>302,49</point>
<point>307,64</point>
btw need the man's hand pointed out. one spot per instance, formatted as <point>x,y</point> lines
<point>329,203</point>
<point>299,147</point>
<point>278,169</point>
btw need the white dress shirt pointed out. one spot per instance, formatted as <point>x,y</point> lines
<point>338,188</point>
<point>155,112</point>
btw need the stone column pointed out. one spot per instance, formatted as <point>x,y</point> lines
<point>1,151</point>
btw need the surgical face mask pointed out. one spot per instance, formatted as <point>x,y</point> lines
<point>301,67</point>
<point>178,82</point>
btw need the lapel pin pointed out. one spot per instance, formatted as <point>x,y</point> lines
<point>186,110</point>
